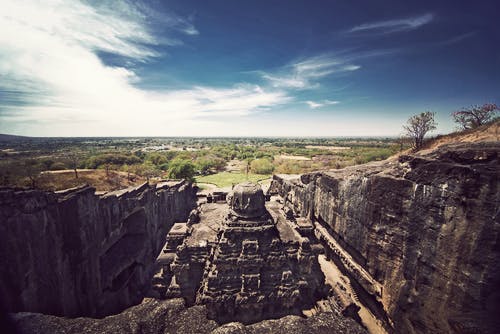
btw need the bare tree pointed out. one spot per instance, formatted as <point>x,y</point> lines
<point>475,116</point>
<point>107,167</point>
<point>128,169</point>
<point>418,126</point>
<point>73,160</point>
<point>32,170</point>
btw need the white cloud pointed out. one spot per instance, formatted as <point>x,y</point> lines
<point>305,73</point>
<point>314,105</point>
<point>397,25</point>
<point>286,81</point>
<point>48,60</point>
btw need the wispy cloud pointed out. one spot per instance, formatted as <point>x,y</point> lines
<point>287,81</point>
<point>167,20</point>
<point>305,73</point>
<point>396,25</point>
<point>54,79</point>
<point>457,39</point>
<point>319,104</point>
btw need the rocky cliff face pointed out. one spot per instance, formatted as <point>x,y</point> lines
<point>75,253</point>
<point>425,228</point>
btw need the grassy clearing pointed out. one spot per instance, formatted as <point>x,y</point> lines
<point>227,179</point>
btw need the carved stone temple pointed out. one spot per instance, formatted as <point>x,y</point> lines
<point>251,267</point>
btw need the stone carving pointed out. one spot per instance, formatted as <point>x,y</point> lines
<point>248,273</point>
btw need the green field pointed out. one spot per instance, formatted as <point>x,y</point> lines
<point>25,162</point>
<point>227,179</point>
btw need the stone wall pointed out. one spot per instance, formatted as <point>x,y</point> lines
<point>426,227</point>
<point>75,253</point>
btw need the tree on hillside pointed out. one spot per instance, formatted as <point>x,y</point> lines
<point>417,127</point>
<point>210,163</point>
<point>149,170</point>
<point>107,167</point>
<point>156,158</point>
<point>146,169</point>
<point>246,166</point>
<point>32,170</point>
<point>475,116</point>
<point>118,159</point>
<point>126,168</point>
<point>47,163</point>
<point>73,160</point>
<point>181,169</point>
<point>10,171</point>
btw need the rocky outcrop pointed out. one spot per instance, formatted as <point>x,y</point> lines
<point>424,228</point>
<point>171,317</point>
<point>76,253</point>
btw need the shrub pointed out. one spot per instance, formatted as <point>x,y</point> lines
<point>181,169</point>
<point>261,166</point>
<point>208,164</point>
<point>112,159</point>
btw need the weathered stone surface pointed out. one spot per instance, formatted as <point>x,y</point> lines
<point>244,270</point>
<point>323,323</point>
<point>246,200</point>
<point>76,253</point>
<point>171,317</point>
<point>151,316</point>
<point>425,227</point>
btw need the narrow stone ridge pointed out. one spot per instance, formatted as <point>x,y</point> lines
<point>75,253</point>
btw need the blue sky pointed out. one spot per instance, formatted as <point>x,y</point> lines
<point>242,68</point>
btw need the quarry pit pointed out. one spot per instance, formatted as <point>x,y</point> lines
<point>407,245</point>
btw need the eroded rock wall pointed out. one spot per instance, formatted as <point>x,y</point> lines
<point>76,253</point>
<point>426,227</point>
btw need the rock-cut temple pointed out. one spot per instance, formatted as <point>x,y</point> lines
<point>247,272</point>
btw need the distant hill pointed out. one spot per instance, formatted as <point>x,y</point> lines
<point>5,137</point>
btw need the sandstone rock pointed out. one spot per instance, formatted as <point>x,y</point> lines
<point>426,228</point>
<point>172,317</point>
<point>74,253</point>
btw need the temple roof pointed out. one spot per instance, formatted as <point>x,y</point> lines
<point>247,200</point>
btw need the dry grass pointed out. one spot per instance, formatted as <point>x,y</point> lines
<point>226,179</point>
<point>94,177</point>
<point>486,133</point>
<point>292,157</point>
<point>328,148</point>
